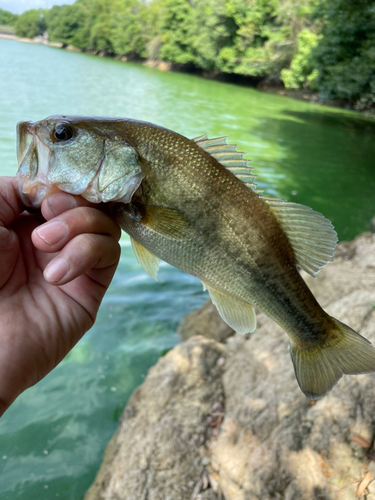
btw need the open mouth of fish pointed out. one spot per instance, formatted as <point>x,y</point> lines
<point>33,161</point>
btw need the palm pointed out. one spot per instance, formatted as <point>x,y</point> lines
<point>28,298</point>
<point>39,321</point>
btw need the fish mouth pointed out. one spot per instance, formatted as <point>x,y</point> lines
<point>33,194</point>
<point>33,162</point>
<point>24,139</point>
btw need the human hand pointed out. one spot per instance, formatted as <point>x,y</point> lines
<point>53,276</point>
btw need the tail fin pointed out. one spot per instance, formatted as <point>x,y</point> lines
<point>320,367</point>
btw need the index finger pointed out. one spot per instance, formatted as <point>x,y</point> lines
<point>61,202</point>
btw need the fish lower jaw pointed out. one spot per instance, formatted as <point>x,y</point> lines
<point>33,194</point>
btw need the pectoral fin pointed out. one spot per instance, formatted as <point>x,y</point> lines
<point>168,222</point>
<point>146,259</point>
<point>237,314</point>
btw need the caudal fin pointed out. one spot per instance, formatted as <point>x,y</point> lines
<point>320,367</point>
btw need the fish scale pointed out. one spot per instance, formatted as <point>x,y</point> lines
<point>215,264</point>
<point>194,204</point>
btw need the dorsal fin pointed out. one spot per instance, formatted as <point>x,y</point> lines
<point>227,155</point>
<point>312,236</point>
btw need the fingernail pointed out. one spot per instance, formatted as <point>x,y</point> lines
<point>52,232</point>
<point>56,270</point>
<point>61,202</point>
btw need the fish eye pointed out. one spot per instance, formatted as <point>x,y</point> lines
<point>62,132</point>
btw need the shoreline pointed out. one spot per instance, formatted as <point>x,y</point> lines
<point>257,84</point>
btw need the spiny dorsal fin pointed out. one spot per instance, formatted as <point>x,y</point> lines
<point>311,235</point>
<point>227,155</point>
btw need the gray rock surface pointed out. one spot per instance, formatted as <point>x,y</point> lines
<point>206,322</point>
<point>227,420</point>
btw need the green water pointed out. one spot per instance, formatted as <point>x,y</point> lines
<point>53,437</point>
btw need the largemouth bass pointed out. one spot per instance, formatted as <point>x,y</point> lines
<point>194,204</point>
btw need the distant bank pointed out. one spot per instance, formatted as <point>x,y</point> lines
<point>305,95</point>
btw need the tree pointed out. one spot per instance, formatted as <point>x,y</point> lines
<point>7,18</point>
<point>95,33</point>
<point>129,30</point>
<point>214,31</point>
<point>345,53</point>
<point>302,72</point>
<point>30,23</point>
<point>65,24</point>
<point>175,28</point>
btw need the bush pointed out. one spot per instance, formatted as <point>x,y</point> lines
<point>302,72</point>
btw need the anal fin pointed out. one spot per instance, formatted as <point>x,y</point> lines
<point>146,259</point>
<point>237,314</point>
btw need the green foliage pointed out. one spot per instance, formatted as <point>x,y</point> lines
<point>129,27</point>
<point>112,26</point>
<point>345,54</point>
<point>30,23</point>
<point>232,36</point>
<point>95,31</point>
<point>7,18</point>
<point>176,30</point>
<point>259,35</point>
<point>302,72</point>
<point>214,32</point>
<point>65,24</point>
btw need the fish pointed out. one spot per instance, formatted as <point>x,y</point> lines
<point>194,204</point>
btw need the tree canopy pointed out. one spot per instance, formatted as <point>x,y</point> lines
<point>30,24</point>
<point>7,18</point>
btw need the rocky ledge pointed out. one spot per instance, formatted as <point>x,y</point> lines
<point>221,415</point>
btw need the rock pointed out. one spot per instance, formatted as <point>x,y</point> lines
<point>214,421</point>
<point>57,45</point>
<point>159,449</point>
<point>72,48</point>
<point>206,322</point>
<point>161,65</point>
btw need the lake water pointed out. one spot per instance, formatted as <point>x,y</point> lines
<point>52,438</point>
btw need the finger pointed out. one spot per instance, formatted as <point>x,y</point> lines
<point>61,202</point>
<point>55,234</point>
<point>10,203</point>
<point>9,247</point>
<point>80,255</point>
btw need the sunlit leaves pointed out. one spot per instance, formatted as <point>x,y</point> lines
<point>302,72</point>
